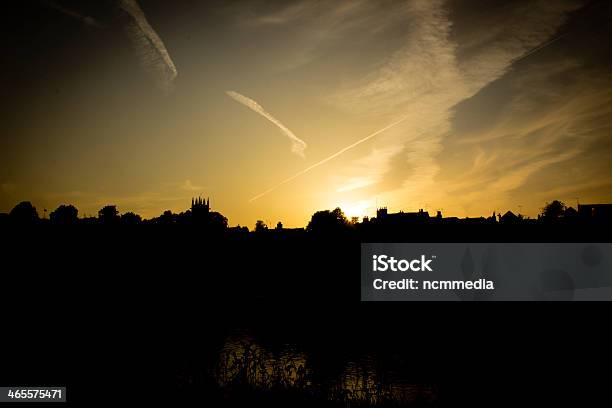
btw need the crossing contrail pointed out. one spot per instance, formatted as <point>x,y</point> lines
<point>333,156</point>
<point>297,144</point>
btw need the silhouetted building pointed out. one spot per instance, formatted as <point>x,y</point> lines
<point>474,220</point>
<point>570,213</point>
<point>383,215</point>
<point>200,207</point>
<point>509,217</point>
<point>595,211</point>
<point>491,220</point>
<point>238,230</point>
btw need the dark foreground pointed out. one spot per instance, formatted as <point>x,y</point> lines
<point>167,314</point>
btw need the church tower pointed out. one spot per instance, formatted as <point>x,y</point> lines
<point>200,206</point>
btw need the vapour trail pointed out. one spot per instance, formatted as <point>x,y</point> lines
<point>90,21</point>
<point>333,156</point>
<point>149,46</point>
<point>539,47</point>
<point>554,39</point>
<point>297,144</point>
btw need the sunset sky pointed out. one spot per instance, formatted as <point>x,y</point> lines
<point>499,105</point>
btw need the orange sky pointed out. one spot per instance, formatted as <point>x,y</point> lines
<point>488,127</point>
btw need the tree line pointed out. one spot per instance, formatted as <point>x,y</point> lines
<point>334,220</point>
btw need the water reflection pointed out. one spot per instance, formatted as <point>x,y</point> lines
<point>363,383</point>
<point>359,382</point>
<point>243,362</point>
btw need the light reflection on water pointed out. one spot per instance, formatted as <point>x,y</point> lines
<point>243,361</point>
<point>362,382</point>
<point>358,382</point>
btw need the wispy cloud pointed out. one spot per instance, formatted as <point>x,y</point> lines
<point>316,27</point>
<point>149,46</point>
<point>187,185</point>
<point>297,144</point>
<point>422,82</point>
<point>425,79</point>
<point>549,141</point>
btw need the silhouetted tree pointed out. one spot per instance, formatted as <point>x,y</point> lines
<point>553,210</point>
<point>217,222</point>
<point>260,226</point>
<point>167,217</point>
<point>130,218</point>
<point>108,214</point>
<point>64,214</point>
<point>327,221</point>
<point>279,225</point>
<point>24,213</point>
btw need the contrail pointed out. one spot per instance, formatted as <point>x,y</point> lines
<point>149,46</point>
<point>582,12</point>
<point>338,153</point>
<point>297,144</point>
<point>90,21</point>
<point>539,47</point>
